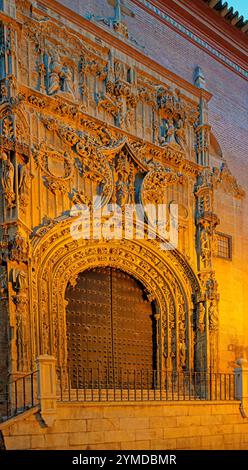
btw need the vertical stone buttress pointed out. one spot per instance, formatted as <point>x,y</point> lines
<point>14,155</point>
<point>206,340</point>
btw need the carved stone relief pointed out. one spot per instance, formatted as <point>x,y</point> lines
<point>57,167</point>
<point>112,124</point>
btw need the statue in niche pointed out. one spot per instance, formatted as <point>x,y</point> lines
<point>182,354</point>
<point>19,279</point>
<point>129,118</point>
<point>124,184</point>
<point>213,316</point>
<point>24,183</point>
<point>205,247</point>
<point>119,71</point>
<point>4,91</point>
<point>22,340</point>
<point>7,173</point>
<point>54,76</point>
<point>7,179</point>
<point>201,318</point>
<point>3,284</point>
<point>67,80</point>
<point>167,132</point>
<point>180,135</point>
<point>18,249</point>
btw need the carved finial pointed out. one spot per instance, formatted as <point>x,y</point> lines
<point>199,78</point>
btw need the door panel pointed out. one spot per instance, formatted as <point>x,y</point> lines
<point>109,329</point>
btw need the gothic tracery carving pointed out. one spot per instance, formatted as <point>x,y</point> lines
<point>117,124</point>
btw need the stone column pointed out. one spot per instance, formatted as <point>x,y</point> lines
<point>47,387</point>
<point>241,385</point>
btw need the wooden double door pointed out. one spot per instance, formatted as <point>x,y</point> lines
<point>111,335</point>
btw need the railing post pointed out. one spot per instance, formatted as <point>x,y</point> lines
<point>241,385</point>
<point>47,387</point>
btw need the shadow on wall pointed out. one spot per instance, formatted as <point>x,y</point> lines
<point>238,350</point>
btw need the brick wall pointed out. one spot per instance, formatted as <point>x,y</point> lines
<point>184,425</point>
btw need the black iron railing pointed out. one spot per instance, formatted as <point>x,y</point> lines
<point>20,395</point>
<point>81,385</point>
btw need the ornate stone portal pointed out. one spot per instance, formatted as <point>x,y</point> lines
<point>82,123</point>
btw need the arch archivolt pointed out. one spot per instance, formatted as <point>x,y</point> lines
<point>58,259</point>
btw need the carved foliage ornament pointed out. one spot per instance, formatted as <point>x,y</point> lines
<point>156,181</point>
<point>94,164</point>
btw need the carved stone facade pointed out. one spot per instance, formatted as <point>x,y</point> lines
<point>79,119</point>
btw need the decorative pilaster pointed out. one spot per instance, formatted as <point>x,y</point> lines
<point>207,314</point>
<point>202,130</point>
<point>47,388</point>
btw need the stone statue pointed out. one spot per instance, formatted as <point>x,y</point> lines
<point>119,70</point>
<point>213,316</point>
<point>211,287</point>
<point>19,279</point>
<point>201,318</point>
<point>205,247</point>
<point>67,80</point>
<point>123,170</point>
<point>180,135</point>
<point>54,76</point>
<point>7,173</point>
<point>129,118</point>
<point>24,183</point>
<point>7,179</point>
<point>22,341</point>
<point>167,131</point>
<point>182,354</point>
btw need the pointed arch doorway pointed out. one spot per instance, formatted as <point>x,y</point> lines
<point>111,330</point>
